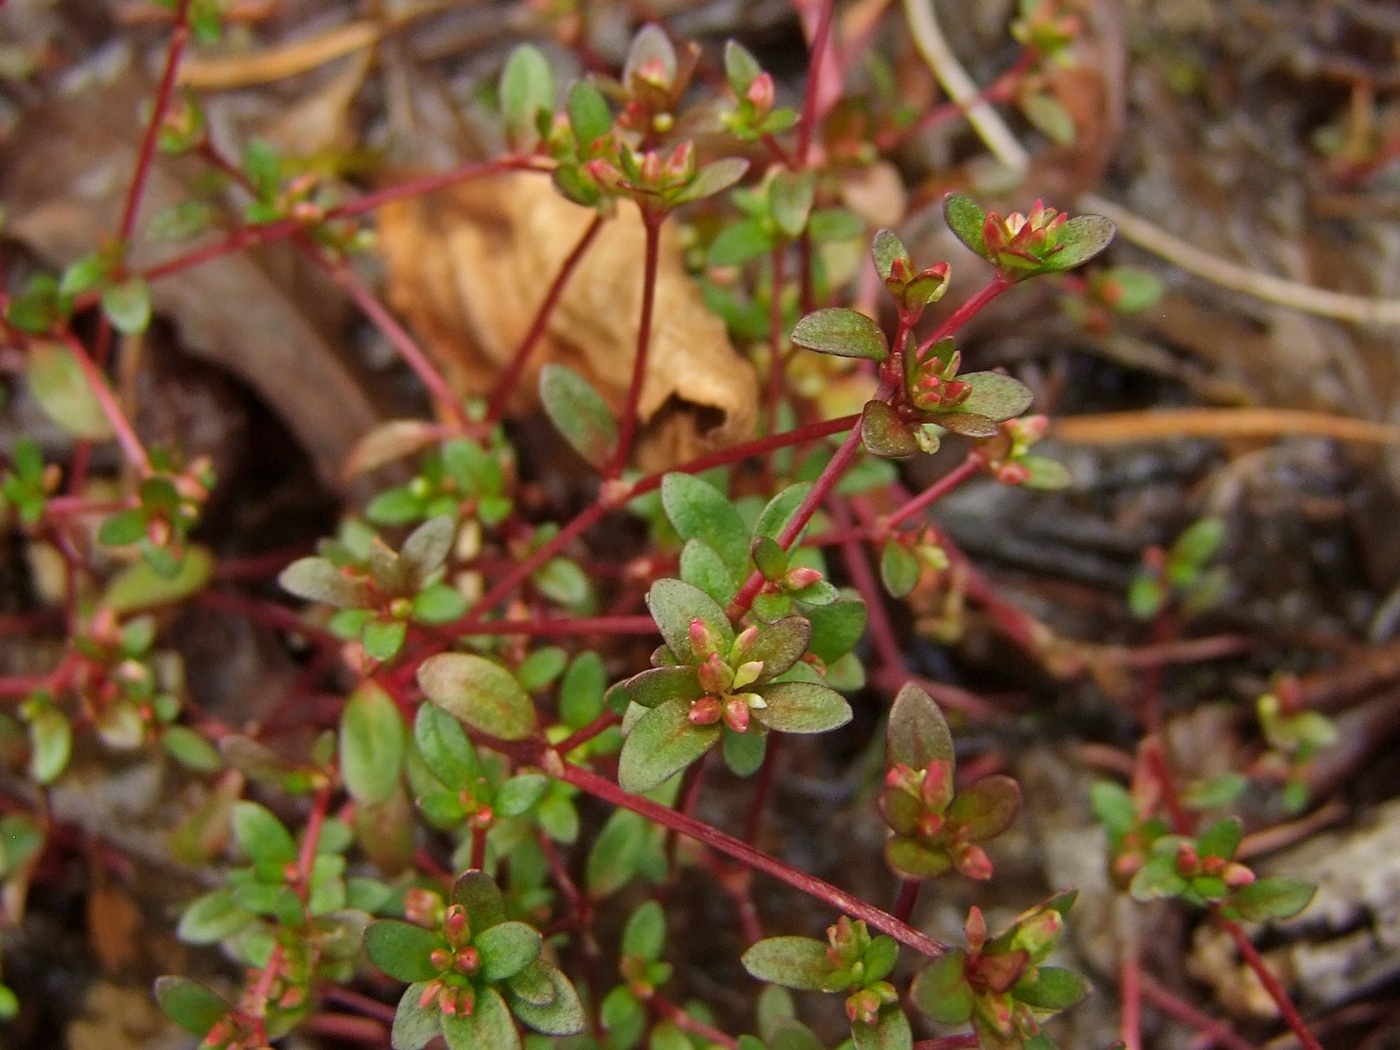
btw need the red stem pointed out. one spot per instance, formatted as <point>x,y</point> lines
<point>967,310</point>
<point>131,445</point>
<point>1271,984</point>
<point>602,788</point>
<point>821,37</point>
<point>397,335</point>
<point>651,223</point>
<point>505,386</point>
<point>686,1023</point>
<point>1208,1026</point>
<point>964,471</point>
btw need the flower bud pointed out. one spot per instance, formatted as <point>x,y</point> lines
<point>704,711</point>
<point>736,714</point>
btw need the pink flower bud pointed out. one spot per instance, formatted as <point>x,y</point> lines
<point>801,578</point>
<point>468,961</point>
<point>736,714</point>
<point>1237,875</point>
<point>456,924</point>
<point>760,94</point>
<point>704,711</point>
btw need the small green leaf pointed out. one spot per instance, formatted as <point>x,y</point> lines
<point>885,249</point>
<point>518,794</point>
<point>941,990</point>
<point>884,434</point>
<point>802,707</point>
<point>481,693</point>
<point>319,580</point>
<point>438,603</point>
<point>50,744</point>
<point>506,949</point>
<point>579,413</point>
<point>674,604</point>
<point>842,333</point>
<point>702,567</point>
<point>262,836</point>
<point>769,558</point>
<point>211,918</point>
<point>711,179</point>
<point>445,748</point>
<point>478,893</point>
<point>658,684</point>
<point>1081,238</point>
<point>740,242</point>
<point>743,752</point>
<point>889,1032</point>
<point>61,389</point>
<point>589,115</point>
<point>965,218</point>
<point>526,89</point>
<point>425,551</point>
<point>1113,806</point>
<point>1053,989</point>
<point>581,690</point>
<point>1221,839</point>
<point>128,306</point>
<point>415,1025</point>
<point>911,859</point>
<point>123,528</point>
<point>793,962</point>
<point>488,1027</point>
<point>661,744</point>
<point>562,1014</point>
<point>790,198</point>
<point>778,647</point>
<point>645,933</point>
<point>651,47</point>
<point>880,958</point>
<point>1200,542</point>
<point>402,950</point>
<point>987,807</point>
<point>996,396</point>
<point>968,424</point>
<point>774,517</point>
<point>836,628</point>
<point>383,639</point>
<point>189,1004</point>
<point>700,511</point>
<point>740,67</point>
<point>371,744</point>
<point>899,568</point>
<point>1276,898</point>
<point>918,734</point>
<point>1046,474</point>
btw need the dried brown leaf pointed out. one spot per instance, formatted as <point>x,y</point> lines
<point>470,266</point>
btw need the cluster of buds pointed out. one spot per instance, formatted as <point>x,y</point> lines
<point>457,961</point>
<point>654,80</point>
<point>1191,865</point>
<point>1005,454</point>
<point>934,386</point>
<point>1020,244</point>
<point>724,684</point>
<point>915,289</point>
<point>916,804</point>
<point>859,962</point>
<point>863,1007</point>
<point>452,999</point>
<point>753,115</point>
<point>233,1032</point>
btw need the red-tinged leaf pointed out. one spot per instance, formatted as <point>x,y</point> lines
<point>579,413</point>
<point>480,693</point>
<point>778,647</point>
<point>426,548</point>
<point>674,604</point>
<point>1081,238</point>
<point>988,807</point>
<point>941,990</point>
<point>994,395</point>
<point>918,733</point>
<point>793,962</point>
<point>659,684</point>
<point>884,434</point>
<point>712,178</point>
<point>965,218</point>
<point>968,424</point>
<point>650,48</point>
<point>318,580</point>
<point>885,249</point>
<point>842,333</point>
<point>389,441</point>
<point>1001,971</point>
<point>661,744</point>
<point>802,707</point>
<point>402,950</point>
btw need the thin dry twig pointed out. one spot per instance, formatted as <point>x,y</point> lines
<point>1266,287</point>
<point>1163,424</point>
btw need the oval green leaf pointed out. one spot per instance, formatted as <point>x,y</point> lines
<point>842,333</point>
<point>480,693</point>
